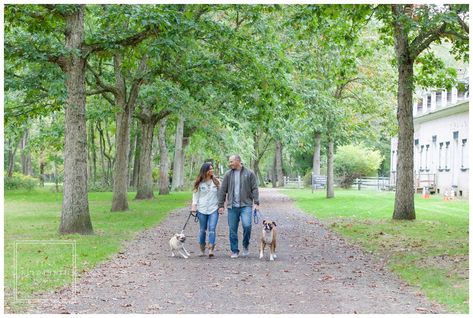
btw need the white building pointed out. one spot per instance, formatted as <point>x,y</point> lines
<point>440,141</point>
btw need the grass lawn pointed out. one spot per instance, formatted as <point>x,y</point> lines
<point>430,252</point>
<point>35,215</point>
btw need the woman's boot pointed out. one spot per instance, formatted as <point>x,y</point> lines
<point>211,250</point>
<point>202,250</point>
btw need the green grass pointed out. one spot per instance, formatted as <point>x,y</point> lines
<point>430,252</point>
<point>35,215</point>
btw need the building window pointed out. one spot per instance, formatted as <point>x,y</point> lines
<point>420,158</point>
<point>416,142</point>
<point>429,102</point>
<point>440,156</point>
<point>427,164</point>
<point>438,98</point>
<point>464,152</point>
<point>446,155</point>
<point>434,138</point>
<point>419,104</point>
<point>449,97</point>
<point>455,135</point>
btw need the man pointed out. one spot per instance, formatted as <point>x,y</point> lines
<point>240,188</point>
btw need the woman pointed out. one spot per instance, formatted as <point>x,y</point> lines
<point>205,203</point>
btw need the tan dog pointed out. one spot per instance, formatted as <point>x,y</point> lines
<point>176,243</point>
<point>268,237</point>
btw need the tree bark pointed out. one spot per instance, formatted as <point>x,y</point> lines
<point>279,172</point>
<point>178,151</point>
<point>11,157</point>
<point>185,144</point>
<point>26,168</point>
<point>75,217</point>
<point>273,172</point>
<point>316,158</point>
<point>122,140</point>
<point>145,179</point>
<point>93,152</point>
<point>42,164</point>
<point>404,198</point>
<point>136,164</point>
<point>163,163</point>
<point>330,176</point>
<point>131,153</point>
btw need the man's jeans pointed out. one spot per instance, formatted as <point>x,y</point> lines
<point>207,221</point>
<point>234,215</point>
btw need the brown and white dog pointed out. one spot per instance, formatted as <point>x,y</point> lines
<point>268,237</point>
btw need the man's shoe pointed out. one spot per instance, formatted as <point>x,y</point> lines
<point>202,250</point>
<point>245,252</point>
<point>234,255</point>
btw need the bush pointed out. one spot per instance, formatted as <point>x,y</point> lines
<point>99,187</point>
<point>355,161</point>
<point>19,181</point>
<point>308,178</point>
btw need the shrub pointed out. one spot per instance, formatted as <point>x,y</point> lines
<point>99,187</point>
<point>19,181</point>
<point>355,161</point>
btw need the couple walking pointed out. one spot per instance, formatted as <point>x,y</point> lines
<point>240,189</point>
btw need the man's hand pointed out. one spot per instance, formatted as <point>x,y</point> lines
<point>256,206</point>
<point>193,209</point>
<point>221,210</point>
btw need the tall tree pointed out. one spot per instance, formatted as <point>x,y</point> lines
<point>413,28</point>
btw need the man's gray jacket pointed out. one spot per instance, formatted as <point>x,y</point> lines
<point>248,188</point>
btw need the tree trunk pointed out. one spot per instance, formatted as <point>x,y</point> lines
<point>75,217</point>
<point>273,172</point>
<point>279,172</point>
<point>178,151</point>
<point>185,144</point>
<point>145,180</point>
<point>330,177</point>
<point>258,174</point>
<point>11,158</point>
<point>316,158</point>
<point>25,155</point>
<point>42,164</point>
<point>93,151</point>
<point>131,159</point>
<point>136,164</point>
<point>122,140</point>
<point>102,154</point>
<point>163,163</point>
<point>404,199</point>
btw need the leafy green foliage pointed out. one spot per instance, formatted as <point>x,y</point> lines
<point>19,181</point>
<point>355,161</point>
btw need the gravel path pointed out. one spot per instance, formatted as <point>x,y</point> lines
<point>316,272</point>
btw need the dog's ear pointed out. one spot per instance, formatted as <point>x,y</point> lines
<point>274,223</point>
<point>264,221</point>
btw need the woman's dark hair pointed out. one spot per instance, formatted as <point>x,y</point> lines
<point>202,174</point>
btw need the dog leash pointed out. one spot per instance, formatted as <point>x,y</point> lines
<point>256,216</point>
<point>195,220</point>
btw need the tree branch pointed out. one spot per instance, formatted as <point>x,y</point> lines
<point>423,40</point>
<point>132,40</point>
<point>100,83</point>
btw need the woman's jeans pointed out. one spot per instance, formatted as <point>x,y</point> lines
<point>234,215</point>
<point>207,221</point>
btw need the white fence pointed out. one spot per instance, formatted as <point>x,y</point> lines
<point>320,182</point>
<point>379,183</point>
<point>293,182</point>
